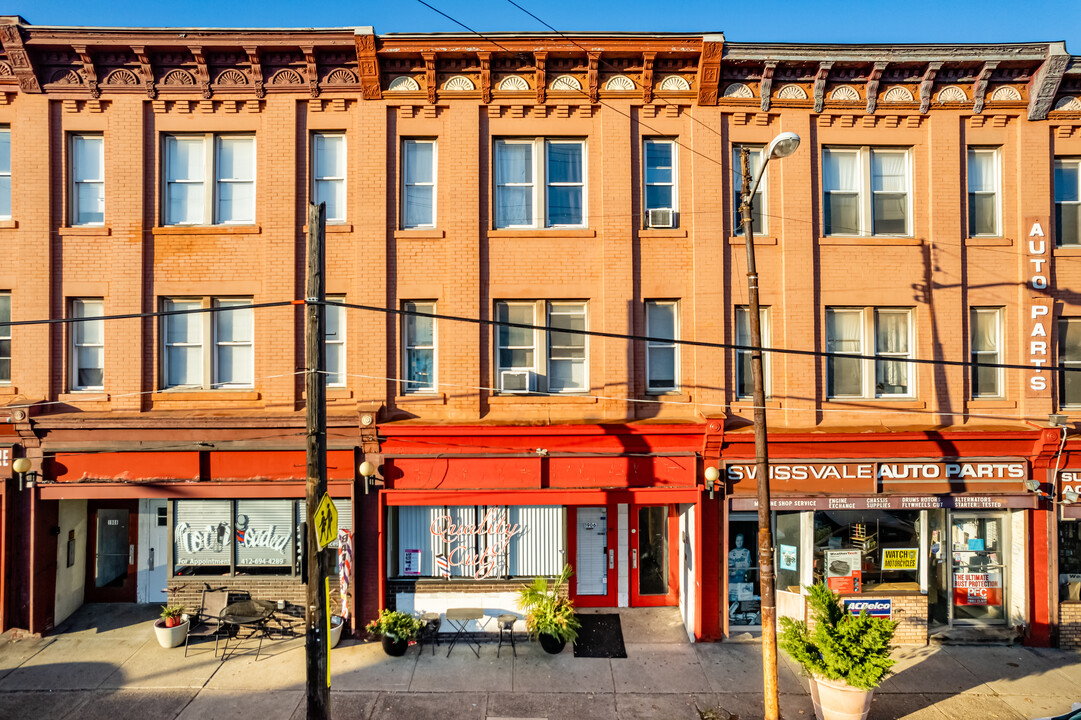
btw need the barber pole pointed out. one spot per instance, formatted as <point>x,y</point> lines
<point>345,567</point>
<point>442,564</point>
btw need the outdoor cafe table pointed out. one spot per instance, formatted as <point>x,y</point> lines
<point>249,613</point>
<point>459,618</point>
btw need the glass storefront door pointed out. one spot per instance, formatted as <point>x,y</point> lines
<point>978,546</point>
<point>654,563</point>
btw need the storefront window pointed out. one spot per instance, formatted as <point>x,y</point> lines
<point>867,550</point>
<point>787,550</point>
<point>477,541</point>
<point>1069,560</point>
<point>744,593</point>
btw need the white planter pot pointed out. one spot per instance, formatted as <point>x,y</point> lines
<point>336,625</point>
<point>837,700</point>
<point>171,637</point>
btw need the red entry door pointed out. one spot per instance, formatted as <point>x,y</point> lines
<point>113,530</point>
<point>654,558</point>
<point>592,545</point>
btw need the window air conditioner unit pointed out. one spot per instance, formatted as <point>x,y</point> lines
<point>515,381</point>
<point>661,217</point>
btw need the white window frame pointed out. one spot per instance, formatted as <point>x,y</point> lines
<point>410,346</point>
<point>563,307</point>
<point>336,343</point>
<point>5,173</point>
<point>654,346</point>
<point>544,352</point>
<point>1075,164</point>
<point>208,344</point>
<point>674,184</point>
<point>992,356</point>
<point>408,182</point>
<point>742,311</point>
<point>79,308</point>
<point>534,346</point>
<point>211,181</point>
<point>868,318</point>
<point>865,189</point>
<point>338,182</point>
<point>5,335</point>
<point>760,201</point>
<point>539,168</point>
<point>995,192</point>
<point>1063,360</point>
<point>78,182</point>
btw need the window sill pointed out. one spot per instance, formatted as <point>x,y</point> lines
<point>1065,249</point>
<point>420,234</point>
<point>873,240</point>
<point>991,404</point>
<point>884,403</point>
<point>748,405</point>
<point>989,241</point>
<point>740,240</point>
<point>84,396</point>
<point>8,224</point>
<point>543,232</point>
<point>664,396</point>
<point>166,396</point>
<point>207,230</point>
<point>87,230</point>
<point>331,393</point>
<point>526,399</point>
<point>421,399</point>
<point>8,389</point>
<point>662,233</point>
<point>334,228</point>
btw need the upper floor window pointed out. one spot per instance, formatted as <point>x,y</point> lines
<point>521,352</point>
<point>1069,357</point>
<point>983,183</point>
<point>87,180</point>
<point>209,179</point>
<point>190,361</point>
<point>660,183</point>
<point>662,352</point>
<point>418,183</point>
<point>884,332</point>
<point>1068,200</point>
<point>866,191</point>
<point>5,173</point>
<point>986,331</point>
<point>758,202</point>
<point>334,328</point>
<point>87,345</point>
<point>418,341</point>
<point>328,174</point>
<point>540,183</point>
<point>5,338</point>
<point>744,380</point>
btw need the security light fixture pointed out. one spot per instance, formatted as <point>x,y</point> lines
<point>712,475</point>
<point>22,466</point>
<point>367,471</point>
<point>1056,420</point>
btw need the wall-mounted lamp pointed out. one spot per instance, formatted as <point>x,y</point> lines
<point>1032,485</point>
<point>28,479</point>
<point>1069,497</point>
<point>1057,420</point>
<point>367,471</point>
<point>712,476</point>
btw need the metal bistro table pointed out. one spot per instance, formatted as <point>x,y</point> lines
<point>459,618</point>
<point>249,613</point>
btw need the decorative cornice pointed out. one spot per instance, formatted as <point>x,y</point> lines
<point>979,89</point>
<point>367,63</point>
<point>592,77</point>
<point>873,79</point>
<point>927,86</point>
<point>820,85</point>
<point>647,76</point>
<point>256,71</point>
<point>20,59</point>
<point>709,69</point>
<point>202,75</point>
<point>765,89</point>
<point>1045,83</point>
<point>429,75</point>
<point>146,70</point>
<point>312,70</point>
<point>485,76</point>
<point>539,59</point>
<point>89,73</point>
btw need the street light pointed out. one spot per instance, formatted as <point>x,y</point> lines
<point>781,146</point>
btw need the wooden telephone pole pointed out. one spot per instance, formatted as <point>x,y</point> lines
<point>317,644</point>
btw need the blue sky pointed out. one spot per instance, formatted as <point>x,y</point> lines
<point>940,21</point>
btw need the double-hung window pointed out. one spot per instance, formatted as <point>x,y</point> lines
<point>662,352</point>
<point>986,333</point>
<point>5,338</point>
<point>540,183</point>
<point>983,204</point>
<point>328,173</point>
<point>866,191</point>
<point>418,183</point>
<point>334,328</point>
<point>5,173</point>
<point>87,180</point>
<point>758,202</point>
<point>520,353</point>
<point>208,344</point>
<point>87,344</point>
<point>418,341</point>
<point>1069,358</point>
<point>209,180</point>
<point>1068,200</point>
<point>884,332</point>
<point>660,183</point>
<point>744,381</point>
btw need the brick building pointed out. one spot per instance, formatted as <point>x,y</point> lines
<point>488,200</point>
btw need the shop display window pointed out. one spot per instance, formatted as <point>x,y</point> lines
<point>867,550</point>
<point>744,593</point>
<point>1069,560</point>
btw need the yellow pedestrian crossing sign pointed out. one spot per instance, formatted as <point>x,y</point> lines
<point>326,522</point>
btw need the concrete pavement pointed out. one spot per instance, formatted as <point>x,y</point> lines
<point>105,663</point>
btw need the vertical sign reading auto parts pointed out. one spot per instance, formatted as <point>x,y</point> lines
<point>1037,306</point>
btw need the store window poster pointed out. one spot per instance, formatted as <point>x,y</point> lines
<point>788,559</point>
<point>412,562</point>
<point>844,571</point>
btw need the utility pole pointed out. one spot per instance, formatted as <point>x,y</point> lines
<point>761,453</point>
<point>317,644</point>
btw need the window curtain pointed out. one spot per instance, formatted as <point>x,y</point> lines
<point>330,174</point>
<point>89,344</point>
<point>661,324</point>
<point>514,184</point>
<point>843,336</point>
<point>890,193</point>
<point>840,178</point>
<point>515,344</point>
<point>891,338</point>
<point>234,343</point>
<point>5,173</point>
<point>335,342</point>
<point>419,183</point>
<point>185,167</point>
<point>183,344</point>
<point>420,343</point>
<point>236,180</point>
<point>89,176</point>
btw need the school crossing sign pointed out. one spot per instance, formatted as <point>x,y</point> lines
<point>326,522</point>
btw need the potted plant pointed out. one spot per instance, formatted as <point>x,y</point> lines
<point>337,622</point>
<point>171,628</point>
<point>846,655</point>
<point>549,615</point>
<point>396,628</point>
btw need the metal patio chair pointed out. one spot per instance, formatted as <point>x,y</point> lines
<point>208,622</point>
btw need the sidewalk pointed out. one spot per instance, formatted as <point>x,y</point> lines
<point>104,663</point>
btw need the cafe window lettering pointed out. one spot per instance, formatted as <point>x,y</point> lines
<point>866,550</point>
<point>242,537</point>
<point>476,541</point>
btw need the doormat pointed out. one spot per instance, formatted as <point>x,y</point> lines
<point>601,636</point>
